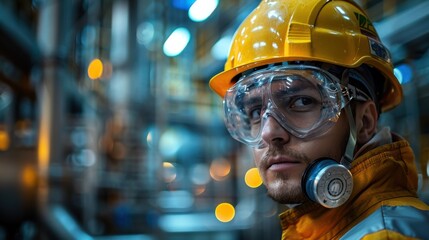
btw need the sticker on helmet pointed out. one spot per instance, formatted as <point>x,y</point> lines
<point>378,50</point>
<point>365,25</point>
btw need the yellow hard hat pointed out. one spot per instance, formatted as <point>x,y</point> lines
<point>333,31</point>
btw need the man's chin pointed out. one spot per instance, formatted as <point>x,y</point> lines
<point>286,193</point>
<point>287,199</point>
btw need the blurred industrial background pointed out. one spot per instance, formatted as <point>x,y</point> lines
<point>108,129</point>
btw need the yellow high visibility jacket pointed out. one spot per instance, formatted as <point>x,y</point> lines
<point>383,204</point>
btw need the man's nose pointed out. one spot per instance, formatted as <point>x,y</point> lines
<point>273,132</point>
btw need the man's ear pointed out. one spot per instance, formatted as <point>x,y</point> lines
<point>366,121</point>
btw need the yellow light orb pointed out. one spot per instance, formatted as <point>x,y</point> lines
<point>95,69</point>
<point>252,178</point>
<point>29,176</point>
<point>225,212</point>
<point>4,140</point>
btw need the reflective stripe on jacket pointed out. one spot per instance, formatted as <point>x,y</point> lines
<point>383,205</point>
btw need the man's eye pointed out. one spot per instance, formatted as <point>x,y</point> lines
<point>303,103</point>
<point>254,114</point>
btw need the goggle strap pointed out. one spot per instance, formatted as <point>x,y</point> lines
<point>353,92</point>
<point>351,142</point>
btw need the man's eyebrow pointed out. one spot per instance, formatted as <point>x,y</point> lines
<point>292,90</point>
<point>252,100</point>
<point>297,87</point>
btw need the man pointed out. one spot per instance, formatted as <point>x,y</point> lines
<point>304,84</point>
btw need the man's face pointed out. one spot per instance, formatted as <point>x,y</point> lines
<point>285,157</point>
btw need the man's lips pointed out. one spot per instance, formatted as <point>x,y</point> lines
<point>282,164</point>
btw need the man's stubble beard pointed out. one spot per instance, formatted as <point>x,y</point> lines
<point>284,189</point>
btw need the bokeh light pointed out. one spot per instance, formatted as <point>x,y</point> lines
<point>199,174</point>
<point>219,169</point>
<point>252,178</point>
<point>4,141</point>
<point>403,73</point>
<point>176,42</point>
<point>225,212</point>
<point>199,190</point>
<point>170,172</point>
<point>171,141</point>
<point>29,177</point>
<point>220,49</point>
<point>95,69</point>
<point>202,9</point>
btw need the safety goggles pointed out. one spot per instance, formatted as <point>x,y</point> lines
<point>305,100</point>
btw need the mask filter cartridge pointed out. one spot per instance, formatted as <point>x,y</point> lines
<point>327,182</point>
